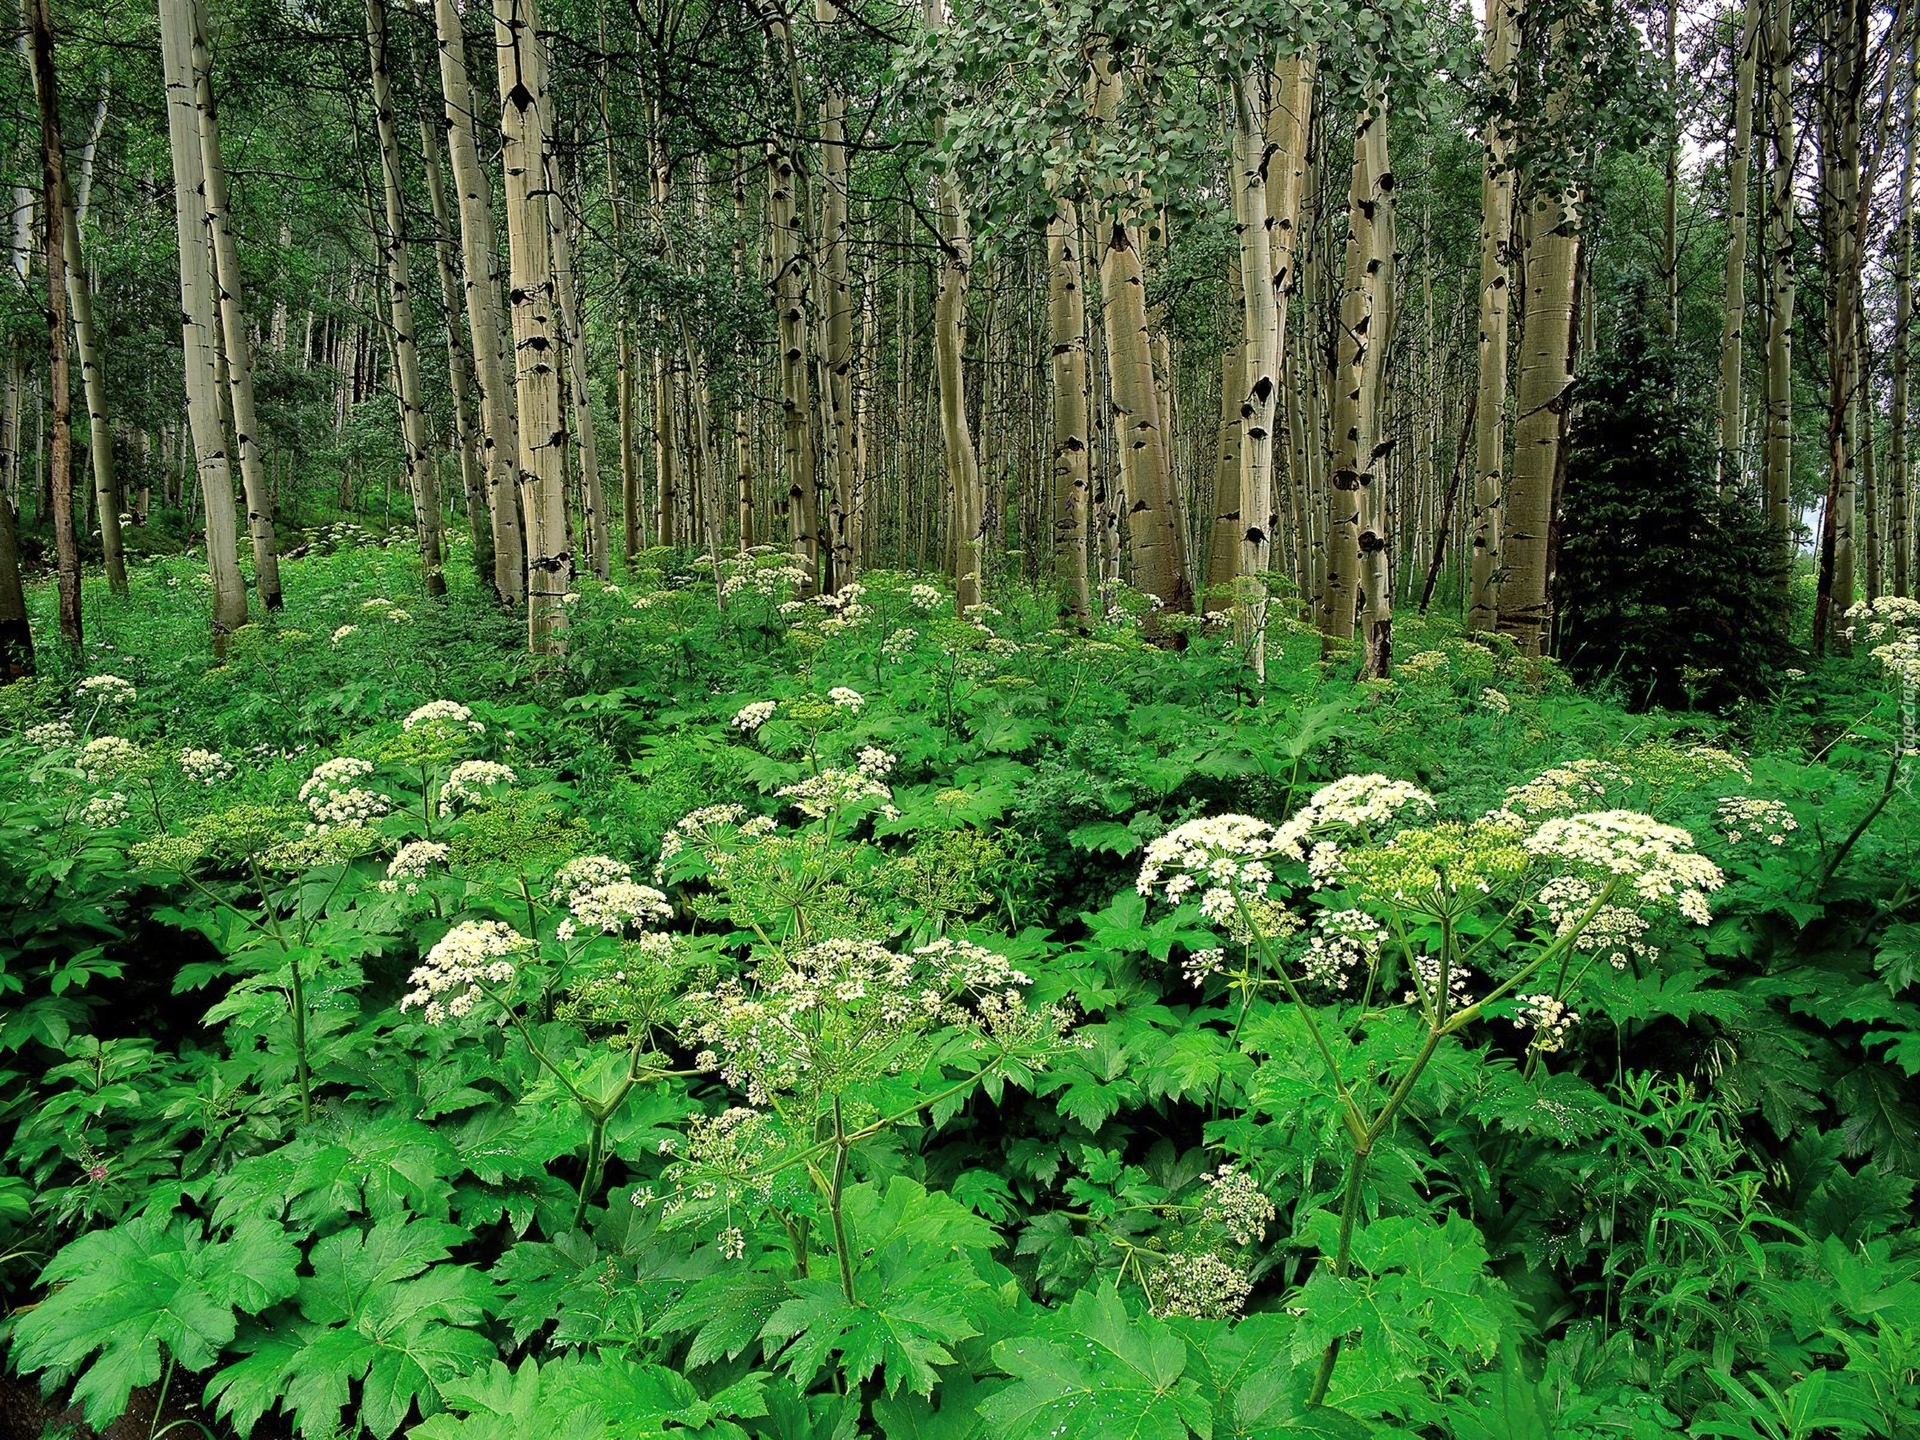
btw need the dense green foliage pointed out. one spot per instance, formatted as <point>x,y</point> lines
<point>905,1102</point>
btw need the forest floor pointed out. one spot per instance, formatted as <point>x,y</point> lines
<point>820,1017</point>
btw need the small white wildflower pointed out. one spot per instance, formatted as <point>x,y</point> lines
<point>344,631</point>
<point>107,690</point>
<point>470,781</point>
<point>108,757</point>
<point>475,953</point>
<point>751,717</point>
<point>209,767</point>
<point>444,713</point>
<point>846,698</point>
<point>103,812</point>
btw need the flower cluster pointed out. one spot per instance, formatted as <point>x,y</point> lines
<point>469,782</point>
<point>1549,1019</point>
<point>103,812</point>
<point>1425,665</point>
<point>896,645</point>
<point>343,632</point>
<point>1565,788</point>
<point>106,690</point>
<point>846,697</point>
<point>1495,701</point>
<point>444,714</point>
<point>1203,1286</point>
<point>53,735</point>
<point>613,907</point>
<point>1658,860</point>
<point>208,767</point>
<point>1740,818</point>
<point>1427,994</point>
<point>1227,850</point>
<point>752,717</point>
<point>835,790</point>
<point>1342,942</point>
<point>1614,932</point>
<point>109,757</point>
<point>588,872</point>
<point>1887,615</point>
<point>336,801</point>
<point>926,598</point>
<point>1235,1202</point>
<point>475,953</point>
<point>411,864</point>
<point>1360,801</point>
<point>875,763</point>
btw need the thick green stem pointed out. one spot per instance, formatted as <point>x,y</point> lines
<point>1343,1250</point>
<point>298,996</point>
<point>834,1192</point>
<point>1886,794</point>
<point>596,1143</point>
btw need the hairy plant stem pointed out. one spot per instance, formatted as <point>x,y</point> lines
<point>841,1147</point>
<point>1886,794</point>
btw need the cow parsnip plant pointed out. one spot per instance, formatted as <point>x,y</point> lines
<point>831,1015</point>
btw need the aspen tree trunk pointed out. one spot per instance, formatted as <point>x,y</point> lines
<point>949,357</point>
<point>423,471</point>
<point>106,486</point>
<point>235,340</point>
<point>742,439</point>
<point>1670,230</point>
<point>796,386</point>
<point>1490,403</point>
<point>500,444</point>
<point>1780,293</point>
<point>1899,476</point>
<point>199,324</point>
<point>16,634</point>
<point>593,501</point>
<point>834,291</point>
<point>1375,527</point>
<point>524,129</point>
<point>1864,414</point>
<point>23,208</point>
<point>53,190</point>
<point>1356,399</point>
<point>1223,543</point>
<point>1546,374</point>
<point>93,380</point>
<point>473,479</point>
<point>1067,317</point>
<point>1260,371</point>
<point>1154,531</point>
<point>1839,181</point>
<point>1739,163</point>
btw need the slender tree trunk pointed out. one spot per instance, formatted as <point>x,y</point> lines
<point>949,356</point>
<point>499,439</point>
<point>593,502</point>
<point>1899,476</point>
<point>1843,51</point>
<point>1546,374</point>
<point>1780,292</point>
<point>1356,399</point>
<point>423,470</point>
<point>473,478</point>
<point>1490,404</point>
<point>53,190</point>
<point>1739,164</point>
<point>1260,367</point>
<point>1670,230</point>
<point>790,263</point>
<point>525,128</point>
<point>236,338</point>
<point>16,634</point>
<point>1376,520</point>
<point>834,291</point>
<point>1068,323</point>
<point>199,323</point>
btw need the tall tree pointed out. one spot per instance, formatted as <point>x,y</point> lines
<point>1778,482</point>
<point>479,256</point>
<point>525,138</point>
<point>53,191</point>
<point>423,467</point>
<point>1490,404</point>
<point>236,336</point>
<point>199,322</point>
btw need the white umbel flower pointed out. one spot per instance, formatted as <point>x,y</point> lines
<point>470,781</point>
<point>475,953</point>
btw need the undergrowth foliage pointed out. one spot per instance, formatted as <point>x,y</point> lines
<point>801,1017</point>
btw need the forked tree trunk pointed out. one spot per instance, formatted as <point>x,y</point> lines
<point>524,129</point>
<point>473,480</point>
<point>235,340</point>
<point>423,470</point>
<point>199,324</point>
<point>53,191</point>
<point>1739,163</point>
<point>1490,403</point>
<point>1067,316</point>
<point>500,443</point>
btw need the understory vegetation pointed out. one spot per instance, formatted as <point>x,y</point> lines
<point>823,1017</point>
